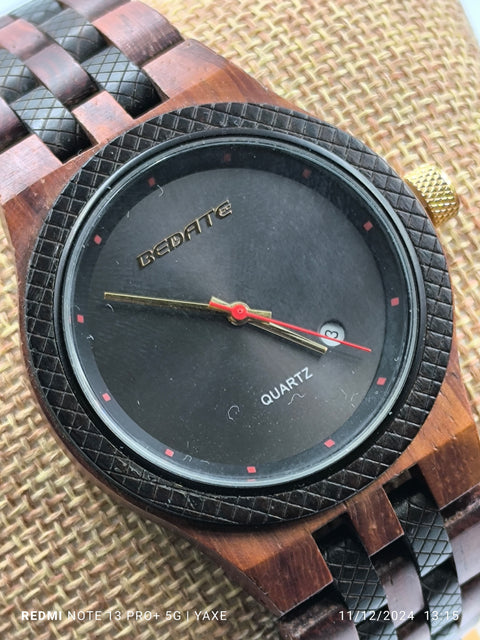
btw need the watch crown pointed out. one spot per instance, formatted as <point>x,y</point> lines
<point>435,192</point>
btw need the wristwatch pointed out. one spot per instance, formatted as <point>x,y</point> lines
<point>238,319</point>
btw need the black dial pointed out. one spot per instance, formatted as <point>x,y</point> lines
<point>239,310</point>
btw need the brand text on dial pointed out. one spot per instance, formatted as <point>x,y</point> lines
<point>191,230</point>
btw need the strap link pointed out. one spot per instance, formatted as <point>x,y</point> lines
<point>425,562</point>
<point>55,56</point>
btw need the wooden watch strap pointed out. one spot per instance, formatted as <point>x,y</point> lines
<point>69,79</point>
<point>425,584</point>
<point>64,59</point>
<point>72,78</point>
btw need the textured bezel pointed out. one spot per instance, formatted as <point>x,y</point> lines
<point>149,488</point>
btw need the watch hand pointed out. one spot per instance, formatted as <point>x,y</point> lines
<point>222,308</point>
<point>173,304</point>
<point>241,313</point>
<point>283,332</point>
<point>263,322</point>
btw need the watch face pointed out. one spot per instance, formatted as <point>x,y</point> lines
<point>239,310</point>
<point>237,313</point>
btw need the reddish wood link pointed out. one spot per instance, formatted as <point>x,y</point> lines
<point>148,32</point>
<point>92,9</point>
<point>59,72</point>
<point>446,453</point>
<point>12,128</point>
<point>22,38</point>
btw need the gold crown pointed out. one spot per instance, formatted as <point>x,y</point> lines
<point>435,192</point>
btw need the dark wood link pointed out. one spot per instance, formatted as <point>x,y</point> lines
<point>424,527</point>
<point>443,599</point>
<point>354,575</point>
<point>22,39</point>
<point>37,12</point>
<point>130,86</point>
<point>11,128</point>
<point>15,78</point>
<point>377,629</point>
<point>75,34</point>
<point>46,116</point>
<point>61,74</point>
<point>148,33</point>
<point>92,9</point>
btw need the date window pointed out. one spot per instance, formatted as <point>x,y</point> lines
<point>332,331</point>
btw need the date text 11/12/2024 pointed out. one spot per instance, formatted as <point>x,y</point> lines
<point>392,615</point>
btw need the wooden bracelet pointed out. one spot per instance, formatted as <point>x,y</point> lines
<point>71,79</point>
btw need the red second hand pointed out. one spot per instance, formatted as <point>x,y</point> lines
<point>240,312</point>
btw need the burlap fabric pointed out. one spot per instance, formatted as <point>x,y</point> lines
<point>403,75</point>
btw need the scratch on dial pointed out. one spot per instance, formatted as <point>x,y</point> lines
<point>233,412</point>
<point>296,395</point>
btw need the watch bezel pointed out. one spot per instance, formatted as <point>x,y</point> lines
<point>146,485</point>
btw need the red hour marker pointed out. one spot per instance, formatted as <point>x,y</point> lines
<point>368,225</point>
<point>227,158</point>
<point>251,470</point>
<point>381,382</point>
<point>97,239</point>
<point>329,443</point>
<point>106,397</point>
<point>395,302</point>
<point>151,182</point>
<point>306,173</point>
<point>80,318</point>
<point>169,453</point>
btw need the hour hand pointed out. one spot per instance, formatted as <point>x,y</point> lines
<point>282,332</point>
<point>155,301</point>
<point>240,313</point>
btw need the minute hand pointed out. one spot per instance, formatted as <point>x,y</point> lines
<point>240,312</point>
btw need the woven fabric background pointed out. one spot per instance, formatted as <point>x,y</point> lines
<point>403,75</point>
